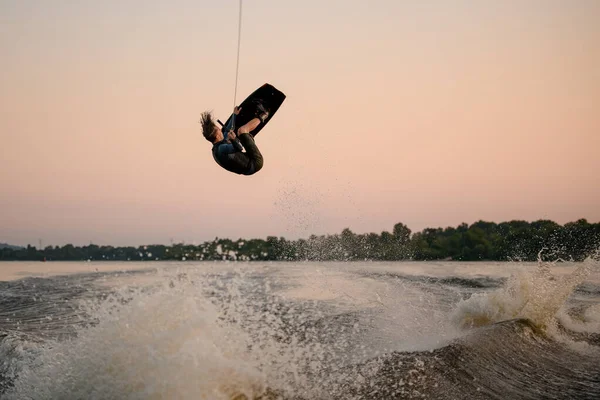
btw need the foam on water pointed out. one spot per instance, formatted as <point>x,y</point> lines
<point>402,315</point>
<point>238,333</point>
<point>159,345</point>
<point>537,295</point>
<point>190,336</point>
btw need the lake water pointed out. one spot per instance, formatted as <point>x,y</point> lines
<point>167,330</point>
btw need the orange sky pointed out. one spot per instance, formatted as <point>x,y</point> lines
<point>430,113</point>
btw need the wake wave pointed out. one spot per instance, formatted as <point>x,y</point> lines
<point>192,335</point>
<point>536,296</point>
<point>509,360</point>
<point>471,282</point>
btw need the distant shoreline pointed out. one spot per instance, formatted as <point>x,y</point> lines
<point>289,261</point>
<point>480,241</point>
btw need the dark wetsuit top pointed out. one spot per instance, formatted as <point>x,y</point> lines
<point>231,157</point>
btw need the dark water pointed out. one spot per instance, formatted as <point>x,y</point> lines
<point>304,331</point>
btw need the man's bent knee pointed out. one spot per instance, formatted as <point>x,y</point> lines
<point>258,164</point>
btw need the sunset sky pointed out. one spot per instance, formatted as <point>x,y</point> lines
<point>430,113</point>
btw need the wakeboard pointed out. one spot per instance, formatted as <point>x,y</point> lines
<point>268,96</point>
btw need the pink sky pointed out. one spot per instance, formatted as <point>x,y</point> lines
<point>428,114</point>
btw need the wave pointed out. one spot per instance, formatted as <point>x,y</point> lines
<point>482,282</point>
<point>511,359</point>
<point>228,336</point>
<point>588,289</point>
<point>537,296</point>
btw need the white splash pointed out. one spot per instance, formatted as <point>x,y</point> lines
<point>536,295</point>
<point>171,341</point>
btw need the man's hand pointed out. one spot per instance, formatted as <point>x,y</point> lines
<point>231,135</point>
<point>236,110</point>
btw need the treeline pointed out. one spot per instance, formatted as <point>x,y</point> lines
<point>514,240</point>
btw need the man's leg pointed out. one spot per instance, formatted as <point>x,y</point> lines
<point>252,151</point>
<point>260,115</point>
<point>250,126</point>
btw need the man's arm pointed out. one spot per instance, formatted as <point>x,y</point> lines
<point>237,145</point>
<point>235,141</point>
<point>228,129</point>
<point>226,148</point>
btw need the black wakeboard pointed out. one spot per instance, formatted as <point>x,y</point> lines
<point>268,96</point>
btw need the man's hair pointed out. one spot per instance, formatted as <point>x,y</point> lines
<point>208,126</point>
